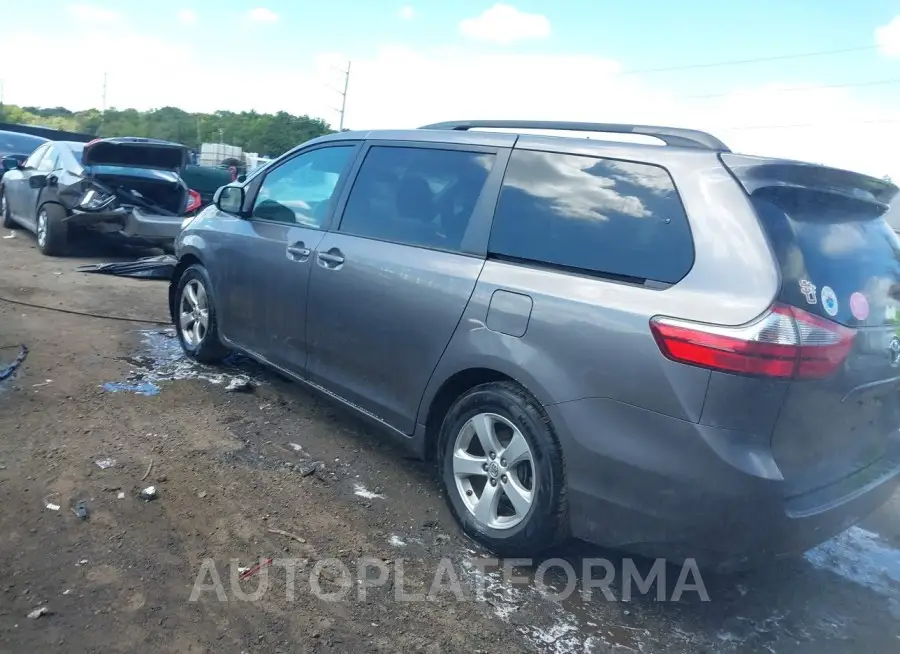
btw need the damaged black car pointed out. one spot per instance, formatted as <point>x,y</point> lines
<point>128,188</point>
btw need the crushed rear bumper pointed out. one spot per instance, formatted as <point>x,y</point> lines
<point>131,223</point>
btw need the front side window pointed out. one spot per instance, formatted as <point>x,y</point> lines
<point>612,218</point>
<point>300,191</point>
<point>49,162</point>
<point>416,196</point>
<point>35,158</point>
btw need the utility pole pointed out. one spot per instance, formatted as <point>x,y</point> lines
<point>104,93</point>
<point>343,94</point>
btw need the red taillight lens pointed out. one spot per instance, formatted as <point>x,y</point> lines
<point>194,201</point>
<point>786,343</point>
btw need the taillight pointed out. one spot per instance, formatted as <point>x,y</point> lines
<point>786,343</point>
<point>194,201</point>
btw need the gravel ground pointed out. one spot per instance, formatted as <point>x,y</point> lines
<point>364,527</point>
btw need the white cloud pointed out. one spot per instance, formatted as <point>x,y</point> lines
<point>400,87</point>
<point>504,24</point>
<point>93,15</point>
<point>187,16</point>
<point>262,15</point>
<point>407,13</point>
<point>888,38</point>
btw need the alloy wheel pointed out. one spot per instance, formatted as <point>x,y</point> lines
<point>193,313</point>
<point>42,228</point>
<point>493,466</point>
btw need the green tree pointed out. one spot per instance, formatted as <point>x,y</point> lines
<point>267,134</point>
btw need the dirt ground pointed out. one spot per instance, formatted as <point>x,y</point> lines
<point>230,466</point>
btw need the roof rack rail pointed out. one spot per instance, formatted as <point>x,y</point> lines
<point>674,136</point>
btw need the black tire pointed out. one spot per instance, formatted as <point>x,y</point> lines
<point>210,348</point>
<point>57,236</point>
<point>546,523</point>
<point>8,222</point>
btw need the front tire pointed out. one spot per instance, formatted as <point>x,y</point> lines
<point>503,472</point>
<point>8,221</point>
<point>52,230</point>
<point>195,317</point>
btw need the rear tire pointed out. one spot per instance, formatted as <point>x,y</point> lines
<point>52,230</point>
<point>8,222</point>
<point>195,317</point>
<point>523,481</point>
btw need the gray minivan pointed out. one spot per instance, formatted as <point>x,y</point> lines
<point>674,350</point>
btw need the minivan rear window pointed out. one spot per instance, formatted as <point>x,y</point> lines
<point>839,258</point>
<point>614,219</point>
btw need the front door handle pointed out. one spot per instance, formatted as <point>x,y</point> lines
<point>298,251</point>
<point>331,259</point>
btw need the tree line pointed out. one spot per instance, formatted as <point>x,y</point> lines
<point>265,134</point>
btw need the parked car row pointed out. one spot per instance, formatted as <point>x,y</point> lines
<point>678,350</point>
<point>126,188</point>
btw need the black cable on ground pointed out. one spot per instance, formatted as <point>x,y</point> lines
<point>86,314</point>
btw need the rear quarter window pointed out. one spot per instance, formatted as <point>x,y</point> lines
<point>831,246</point>
<point>611,218</point>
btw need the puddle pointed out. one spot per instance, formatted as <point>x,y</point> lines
<point>11,358</point>
<point>862,557</point>
<point>161,359</point>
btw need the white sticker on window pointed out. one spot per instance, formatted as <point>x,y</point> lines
<point>829,301</point>
<point>809,290</point>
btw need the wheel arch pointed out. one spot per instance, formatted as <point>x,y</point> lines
<point>453,387</point>
<point>186,261</point>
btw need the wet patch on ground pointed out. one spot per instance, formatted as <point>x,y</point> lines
<point>161,359</point>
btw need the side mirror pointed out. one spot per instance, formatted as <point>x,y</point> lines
<point>230,199</point>
<point>10,163</point>
<point>38,181</point>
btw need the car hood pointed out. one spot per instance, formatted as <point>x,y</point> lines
<point>135,152</point>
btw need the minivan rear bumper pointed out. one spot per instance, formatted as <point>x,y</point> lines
<point>658,486</point>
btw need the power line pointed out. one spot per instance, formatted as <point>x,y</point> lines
<point>741,62</point>
<point>808,87</point>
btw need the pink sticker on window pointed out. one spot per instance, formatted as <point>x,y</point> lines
<point>859,306</point>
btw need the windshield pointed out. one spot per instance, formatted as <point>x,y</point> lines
<point>15,143</point>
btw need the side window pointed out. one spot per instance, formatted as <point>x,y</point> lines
<point>33,160</point>
<point>50,161</point>
<point>300,190</point>
<point>604,216</point>
<point>416,196</point>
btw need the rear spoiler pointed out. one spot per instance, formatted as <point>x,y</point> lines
<point>754,173</point>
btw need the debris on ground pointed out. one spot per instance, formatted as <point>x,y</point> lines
<point>81,510</point>
<point>10,235</point>
<point>9,370</point>
<point>201,494</point>
<point>108,462</point>
<point>34,615</point>
<point>288,534</point>
<point>46,382</point>
<point>309,468</point>
<point>252,571</point>
<point>239,385</point>
<point>362,491</point>
<point>52,507</point>
<point>121,495</point>
<point>149,494</point>
<point>160,267</point>
<point>149,468</point>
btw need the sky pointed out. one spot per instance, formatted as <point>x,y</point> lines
<point>730,68</point>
